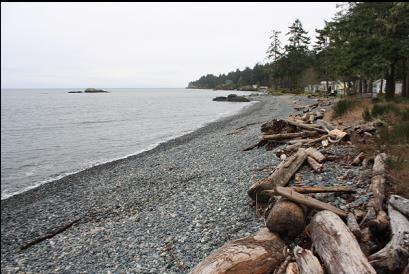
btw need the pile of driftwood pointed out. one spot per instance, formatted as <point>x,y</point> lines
<point>337,242</point>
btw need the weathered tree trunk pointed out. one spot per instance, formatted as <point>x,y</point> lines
<point>370,85</point>
<point>322,189</point>
<point>257,254</point>
<point>307,262</point>
<point>336,246</point>
<point>381,89</point>
<point>364,86</point>
<point>308,201</point>
<point>360,86</point>
<point>400,203</point>
<point>286,218</point>
<point>280,176</point>
<point>390,83</point>
<point>394,256</point>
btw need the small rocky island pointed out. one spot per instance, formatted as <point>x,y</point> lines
<point>89,90</point>
<point>231,98</point>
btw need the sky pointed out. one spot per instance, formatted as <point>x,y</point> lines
<point>140,45</point>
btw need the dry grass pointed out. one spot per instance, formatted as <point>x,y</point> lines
<point>392,139</point>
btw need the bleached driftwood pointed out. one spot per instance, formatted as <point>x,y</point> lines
<point>304,126</point>
<point>394,256</point>
<point>261,254</point>
<point>336,246</point>
<point>307,262</point>
<point>401,204</point>
<point>279,177</point>
<point>317,189</point>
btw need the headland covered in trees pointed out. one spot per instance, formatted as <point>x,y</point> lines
<point>364,42</point>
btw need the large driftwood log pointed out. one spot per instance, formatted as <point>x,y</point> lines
<point>313,153</point>
<point>394,256</point>
<point>336,246</point>
<point>279,177</point>
<point>400,203</point>
<point>377,187</point>
<point>307,262</point>
<point>257,254</point>
<point>308,201</point>
<point>286,218</point>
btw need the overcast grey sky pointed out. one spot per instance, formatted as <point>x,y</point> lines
<point>45,45</point>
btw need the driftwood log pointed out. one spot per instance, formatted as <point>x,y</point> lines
<point>286,218</point>
<point>304,126</point>
<point>257,254</point>
<point>279,177</point>
<point>317,167</point>
<point>336,246</point>
<point>308,201</point>
<point>315,154</point>
<point>307,262</point>
<point>401,204</point>
<point>354,226</point>
<point>317,189</point>
<point>375,215</point>
<point>394,256</point>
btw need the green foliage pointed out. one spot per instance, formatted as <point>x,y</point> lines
<point>343,106</point>
<point>366,115</point>
<point>382,108</point>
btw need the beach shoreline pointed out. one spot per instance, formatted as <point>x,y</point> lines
<point>186,192</point>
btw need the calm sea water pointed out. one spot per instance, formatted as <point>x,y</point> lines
<point>49,133</point>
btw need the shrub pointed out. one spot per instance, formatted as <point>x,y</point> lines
<point>381,109</point>
<point>366,114</point>
<point>342,106</point>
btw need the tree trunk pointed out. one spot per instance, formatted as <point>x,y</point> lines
<point>286,218</point>
<point>364,86</point>
<point>280,176</point>
<point>360,86</point>
<point>394,256</point>
<point>405,79</point>
<point>257,254</point>
<point>336,246</point>
<point>370,86</point>
<point>390,83</point>
<point>381,89</point>
<point>307,262</point>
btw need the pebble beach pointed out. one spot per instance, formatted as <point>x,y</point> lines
<point>161,211</point>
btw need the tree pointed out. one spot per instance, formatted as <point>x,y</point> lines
<point>274,51</point>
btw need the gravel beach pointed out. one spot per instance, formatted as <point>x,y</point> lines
<point>161,211</point>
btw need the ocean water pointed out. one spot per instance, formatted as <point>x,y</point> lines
<point>49,133</point>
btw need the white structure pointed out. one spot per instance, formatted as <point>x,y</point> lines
<point>376,88</point>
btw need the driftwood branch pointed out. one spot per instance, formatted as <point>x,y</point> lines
<point>51,234</point>
<point>308,201</point>
<point>401,204</point>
